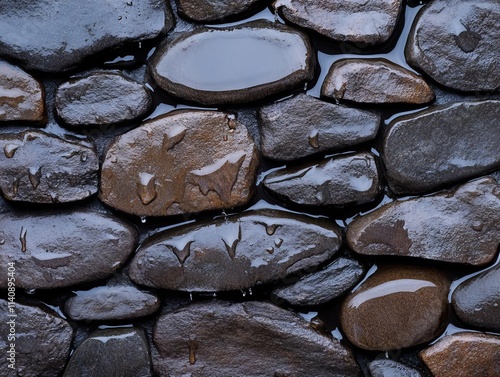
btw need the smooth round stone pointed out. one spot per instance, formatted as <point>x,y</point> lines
<point>391,368</point>
<point>215,11</point>
<point>399,306</point>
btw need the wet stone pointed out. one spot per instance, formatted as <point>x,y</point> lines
<point>391,368</point>
<point>42,341</point>
<point>234,253</point>
<point>38,167</point>
<point>458,226</point>
<point>188,161</point>
<point>464,354</point>
<point>302,125</point>
<point>456,42</point>
<point>31,32</point>
<point>322,286</point>
<point>399,306</point>
<point>337,181</point>
<point>259,339</point>
<point>345,21</point>
<point>374,81</point>
<point>54,249</point>
<point>233,65</point>
<point>442,145</point>
<point>21,96</point>
<point>102,98</point>
<point>111,352</point>
<point>215,10</point>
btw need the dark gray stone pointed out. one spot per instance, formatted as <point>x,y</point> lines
<point>391,368</point>
<point>215,10</point>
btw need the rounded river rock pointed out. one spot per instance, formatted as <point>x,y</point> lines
<point>215,10</point>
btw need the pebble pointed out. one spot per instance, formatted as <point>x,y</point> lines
<point>391,368</point>
<point>216,11</point>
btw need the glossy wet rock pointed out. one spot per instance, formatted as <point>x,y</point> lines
<point>338,181</point>
<point>39,167</point>
<point>345,21</point>
<point>457,43</point>
<point>245,339</point>
<point>238,64</point>
<point>111,352</point>
<point>442,145</point>
<point>459,226</point>
<point>53,249</point>
<point>21,96</point>
<point>302,125</point>
<point>58,35</point>
<point>399,306</point>
<point>102,98</point>
<point>215,10</point>
<point>322,286</point>
<point>239,252</point>
<point>189,161</point>
<point>374,81</point>
<point>464,354</point>
<point>42,342</point>
<point>391,368</point>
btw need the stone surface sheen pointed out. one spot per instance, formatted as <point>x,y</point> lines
<point>391,368</point>
<point>234,253</point>
<point>245,339</point>
<point>442,145</point>
<point>39,167</point>
<point>374,81</point>
<point>56,35</point>
<point>459,226</point>
<point>399,306</point>
<point>53,249</point>
<point>232,65</point>
<point>184,162</point>
<point>302,125</point>
<point>215,10</point>
<point>457,43</point>
<point>101,98</point>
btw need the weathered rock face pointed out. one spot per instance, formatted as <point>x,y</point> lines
<point>42,341</point>
<point>189,161</point>
<point>391,368</point>
<point>303,125</point>
<point>464,354</point>
<point>102,98</point>
<point>31,32</point>
<point>111,352</point>
<point>53,249</point>
<point>21,96</point>
<point>460,226</point>
<point>234,65</point>
<point>442,145</point>
<point>457,43</point>
<point>247,339</point>
<point>341,20</point>
<point>215,10</point>
<point>337,181</point>
<point>234,253</point>
<point>39,167</point>
<point>399,306</point>
<point>374,81</point>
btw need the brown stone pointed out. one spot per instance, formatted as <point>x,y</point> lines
<point>215,10</point>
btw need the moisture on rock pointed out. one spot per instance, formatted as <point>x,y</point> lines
<point>215,10</point>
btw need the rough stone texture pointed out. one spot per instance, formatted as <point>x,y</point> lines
<point>234,253</point>
<point>477,300</point>
<point>111,303</point>
<point>102,98</point>
<point>111,352</point>
<point>39,167</point>
<point>374,81</point>
<point>215,10</point>
<point>345,21</point>
<point>459,226</point>
<point>54,36</point>
<point>337,181</point>
<point>234,65</point>
<point>457,43</point>
<point>183,162</point>
<point>322,286</point>
<point>42,341</point>
<point>391,368</point>
<point>53,249</point>
<point>463,355</point>
<point>442,145</point>
<point>302,125</point>
<point>245,339</point>
<point>399,306</point>
<point>21,96</point>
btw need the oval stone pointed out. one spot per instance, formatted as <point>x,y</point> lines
<point>215,11</point>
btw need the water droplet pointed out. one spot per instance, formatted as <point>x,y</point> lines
<point>10,150</point>
<point>180,247</point>
<point>54,198</point>
<point>172,137</point>
<point>22,238</point>
<point>271,229</point>
<point>224,137</point>
<point>313,139</point>
<point>34,175</point>
<point>114,160</point>
<point>146,188</point>
<point>477,225</point>
<point>214,295</point>
<point>477,309</point>
<point>250,291</point>
<point>270,250</point>
<point>190,296</point>
<point>31,291</point>
<point>192,349</point>
<point>232,242</point>
<point>83,156</point>
<point>305,87</point>
<point>243,293</point>
<point>15,187</point>
<point>143,219</point>
<point>278,242</point>
<point>2,241</point>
